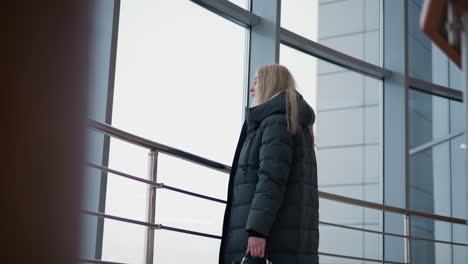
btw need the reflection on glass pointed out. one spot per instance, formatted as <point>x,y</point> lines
<point>347,241</point>
<point>437,182</point>
<point>436,252</point>
<point>348,133</point>
<point>348,124</point>
<point>352,26</point>
<point>179,81</point>
<point>426,61</point>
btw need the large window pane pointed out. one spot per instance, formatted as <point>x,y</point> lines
<point>179,81</point>
<point>426,61</point>
<point>424,251</point>
<point>348,125</point>
<point>343,241</point>
<point>349,149</point>
<point>125,244</point>
<point>242,3</point>
<point>350,26</point>
<point>437,179</point>
<point>204,250</point>
<point>436,156</point>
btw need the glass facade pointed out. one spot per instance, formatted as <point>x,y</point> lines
<point>425,60</point>
<point>437,175</point>
<point>348,106</point>
<point>352,27</point>
<point>181,79</point>
<point>180,82</point>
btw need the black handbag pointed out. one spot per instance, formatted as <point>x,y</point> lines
<point>248,259</point>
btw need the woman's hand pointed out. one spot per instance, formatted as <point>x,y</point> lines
<point>256,246</point>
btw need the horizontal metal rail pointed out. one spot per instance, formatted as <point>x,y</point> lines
<point>161,185</point>
<point>83,260</point>
<point>189,232</point>
<point>111,131</point>
<point>145,143</point>
<point>320,51</point>
<point>230,11</point>
<point>159,226</point>
<point>393,209</point>
<point>192,194</point>
<point>358,258</point>
<point>435,89</point>
<point>392,234</point>
<point>155,226</point>
<point>121,219</point>
<point>155,184</point>
<point>125,175</point>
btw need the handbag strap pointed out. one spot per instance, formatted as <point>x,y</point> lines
<point>246,258</point>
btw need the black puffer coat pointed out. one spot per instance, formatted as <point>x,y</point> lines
<point>273,187</point>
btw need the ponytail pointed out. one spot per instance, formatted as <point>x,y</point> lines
<point>292,108</point>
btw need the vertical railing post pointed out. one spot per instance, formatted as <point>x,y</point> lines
<point>407,225</point>
<point>151,210</point>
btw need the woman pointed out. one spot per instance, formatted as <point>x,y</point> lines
<point>272,205</point>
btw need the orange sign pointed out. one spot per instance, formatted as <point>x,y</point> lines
<point>441,22</point>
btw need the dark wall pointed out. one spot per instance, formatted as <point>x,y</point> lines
<point>44,104</point>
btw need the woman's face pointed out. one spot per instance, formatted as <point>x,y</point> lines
<point>254,86</point>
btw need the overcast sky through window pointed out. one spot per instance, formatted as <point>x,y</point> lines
<point>179,81</point>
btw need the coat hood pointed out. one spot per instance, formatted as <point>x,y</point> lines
<point>277,105</point>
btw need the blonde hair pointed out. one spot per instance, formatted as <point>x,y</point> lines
<point>275,78</point>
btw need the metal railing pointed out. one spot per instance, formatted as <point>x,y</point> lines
<point>155,148</point>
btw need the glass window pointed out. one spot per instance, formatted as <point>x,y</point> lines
<point>180,82</point>
<point>350,26</point>
<point>348,124</point>
<point>125,244</point>
<point>424,251</point>
<point>348,133</point>
<point>242,3</point>
<point>436,157</point>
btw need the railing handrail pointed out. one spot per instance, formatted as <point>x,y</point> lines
<point>151,145</point>
<point>388,208</point>
<point>142,142</point>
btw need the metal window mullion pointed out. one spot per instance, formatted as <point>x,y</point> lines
<point>230,11</point>
<point>434,89</point>
<point>151,209</point>
<point>395,105</point>
<point>264,38</point>
<point>464,58</point>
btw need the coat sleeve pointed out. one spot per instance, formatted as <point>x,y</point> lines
<point>275,160</point>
